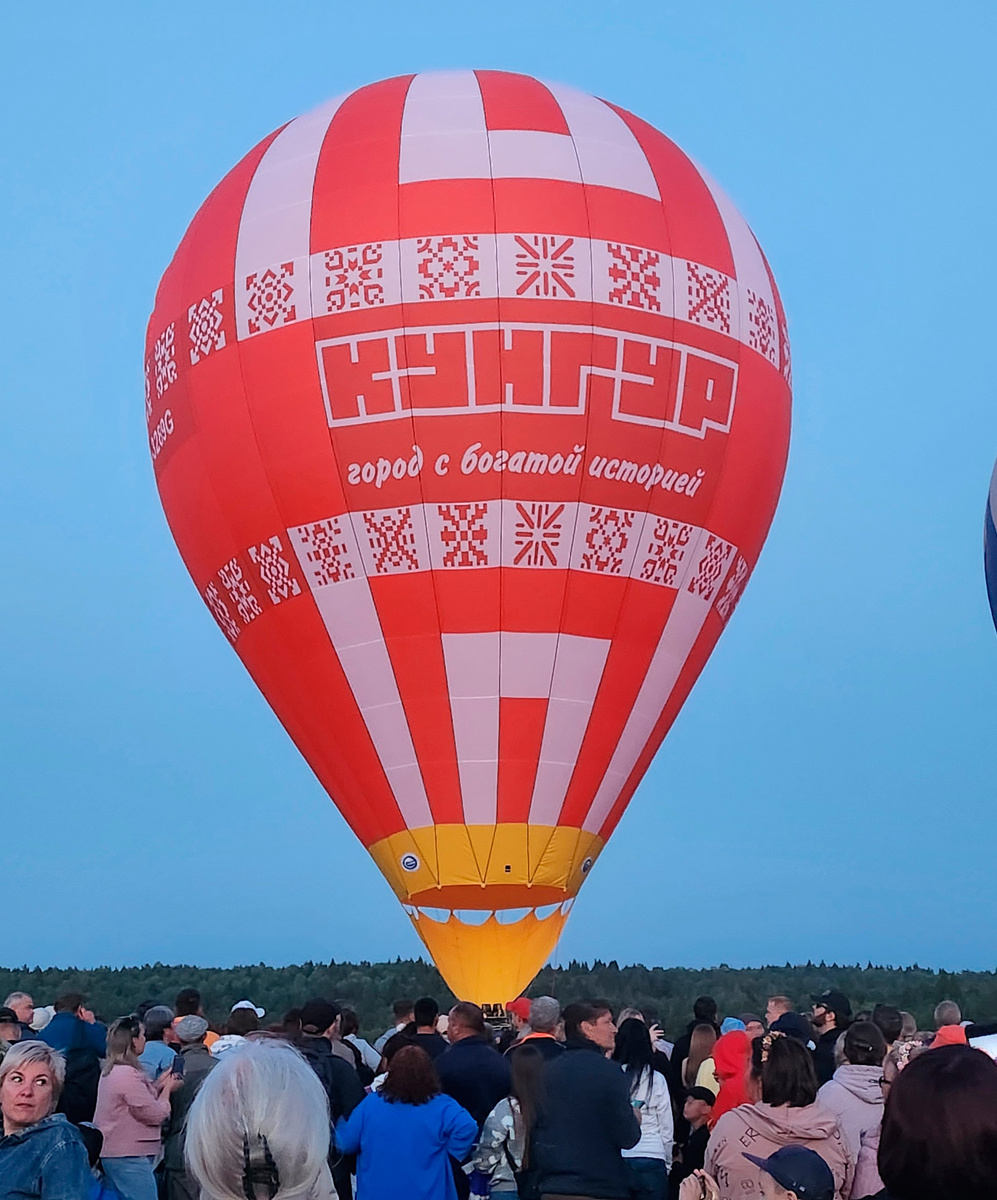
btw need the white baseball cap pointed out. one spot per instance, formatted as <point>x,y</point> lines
<point>260,1012</point>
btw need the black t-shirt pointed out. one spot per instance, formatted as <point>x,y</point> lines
<point>433,1043</point>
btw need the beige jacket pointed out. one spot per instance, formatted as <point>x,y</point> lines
<point>760,1129</point>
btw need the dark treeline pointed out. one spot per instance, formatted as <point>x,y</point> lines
<point>369,988</point>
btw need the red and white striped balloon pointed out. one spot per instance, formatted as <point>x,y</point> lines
<point>468,397</point>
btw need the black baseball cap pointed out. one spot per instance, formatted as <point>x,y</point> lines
<point>837,1002</point>
<point>318,1014</point>
<point>9,1017</point>
<point>798,1170</point>
<point>701,1093</point>
<point>794,1025</point>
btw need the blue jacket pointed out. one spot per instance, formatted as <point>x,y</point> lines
<point>47,1161</point>
<point>403,1149</point>
<point>61,1033</point>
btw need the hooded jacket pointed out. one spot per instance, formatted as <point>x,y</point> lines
<point>731,1054</point>
<point>761,1129</point>
<point>45,1160</point>
<point>856,1097</point>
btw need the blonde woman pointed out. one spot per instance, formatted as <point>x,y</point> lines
<point>130,1112</point>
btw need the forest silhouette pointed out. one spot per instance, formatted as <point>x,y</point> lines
<point>369,988</point>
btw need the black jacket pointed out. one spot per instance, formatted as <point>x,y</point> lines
<point>584,1122</point>
<point>824,1055</point>
<point>342,1084</point>
<point>547,1046</point>
<point>475,1074</point>
<point>433,1043</point>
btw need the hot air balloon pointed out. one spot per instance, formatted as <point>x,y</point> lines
<point>468,400</point>
<point>990,545</point>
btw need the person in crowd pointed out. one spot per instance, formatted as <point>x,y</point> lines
<point>82,1041</point>
<point>42,1017</point>
<point>259,1127</point>
<point>427,1012</point>
<point>188,1004</point>
<point>701,1043</point>
<point>545,1021</point>
<point>796,1025</point>
<point>731,1064</point>
<point>404,1133</point>
<point>706,1076</point>
<point>831,1014</point>
<point>704,1012</point>
<point>519,1020</point>
<point>648,1162</point>
<point>900,1057</point>
<point>908,1030</point>
<point>198,1061</point>
<point>323,1019</point>
<point>890,1022</point>
<point>947,1012</point>
<point>796,1171</point>
<point>242,1021</point>
<point>42,1155</point>
<point>10,1030</point>
<point>158,1055</point>
<point>754,1026</point>
<point>948,1030</point>
<point>788,1113</point>
<point>652,1019</point>
<point>585,1120</point>
<point>939,1136</point>
<point>855,1096</point>
<point>404,1013</point>
<point>471,1070</point>
<point>661,1060</point>
<point>350,1028</point>
<point>339,1078</point>
<point>691,1149</point>
<point>775,1006</point>
<point>394,1043</point>
<point>130,1112</point>
<point>503,1150</point>
<point>23,1007</point>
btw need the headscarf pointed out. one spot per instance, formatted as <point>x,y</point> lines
<point>730,1057</point>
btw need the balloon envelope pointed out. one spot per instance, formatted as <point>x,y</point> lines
<point>468,398</point>
<point>990,545</point>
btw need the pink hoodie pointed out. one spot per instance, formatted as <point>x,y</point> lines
<point>130,1113</point>
<point>761,1129</point>
<point>855,1096</point>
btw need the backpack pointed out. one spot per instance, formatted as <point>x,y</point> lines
<point>79,1093</point>
<point>364,1073</point>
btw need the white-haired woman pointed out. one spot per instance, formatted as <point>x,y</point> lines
<point>41,1154</point>
<point>130,1112</point>
<point>260,1127</point>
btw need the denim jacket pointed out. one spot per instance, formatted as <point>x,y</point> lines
<point>46,1161</point>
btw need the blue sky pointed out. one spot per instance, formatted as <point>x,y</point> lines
<point>827,792</point>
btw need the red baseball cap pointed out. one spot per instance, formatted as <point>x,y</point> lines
<point>520,1007</point>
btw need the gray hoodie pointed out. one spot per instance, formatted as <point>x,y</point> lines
<point>855,1095</point>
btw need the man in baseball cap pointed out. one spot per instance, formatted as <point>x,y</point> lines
<point>831,1014</point>
<point>797,1172</point>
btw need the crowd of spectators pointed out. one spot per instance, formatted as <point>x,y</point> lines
<point>578,1103</point>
